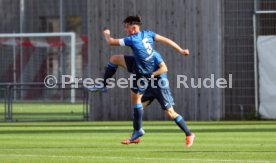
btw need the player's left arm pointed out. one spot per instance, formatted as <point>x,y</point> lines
<point>162,69</point>
<point>110,40</point>
<point>171,43</point>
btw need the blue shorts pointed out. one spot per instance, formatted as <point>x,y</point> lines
<point>162,94</point>
<point>139,84</point>
<point>131,67</point>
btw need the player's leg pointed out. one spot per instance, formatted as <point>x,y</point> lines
<point>146,103</point>
<point>147,97</point>
<point>179,120</point>
<point>118,60</point>
<point>139,95</point>
<point>114,62</point>
<point>137,92</point>
<point>124,61</point>
<point>138,110</point>
<point>146,100</point>
<point>166,101</point>
<point>164,97</point>
<point>137,119</point>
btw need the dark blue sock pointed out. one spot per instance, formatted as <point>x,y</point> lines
<point>179,120</point>
<point>109,72</point>
<point>138,116</point>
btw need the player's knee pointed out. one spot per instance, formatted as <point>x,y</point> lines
<point>116,59</point>
<point>113,59</point>
<point>171,114</point>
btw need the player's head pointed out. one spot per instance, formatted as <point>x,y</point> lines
<point>132,24</point>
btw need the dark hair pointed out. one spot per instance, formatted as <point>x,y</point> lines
<point>133,20</point>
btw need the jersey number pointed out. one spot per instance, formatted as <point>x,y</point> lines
<point>147,45</point>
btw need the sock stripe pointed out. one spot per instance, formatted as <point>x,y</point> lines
<point>112,65</point>
<point>138,106</point>
<point>178,118</point>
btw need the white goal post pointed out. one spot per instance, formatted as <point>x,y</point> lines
<point>72,36</point>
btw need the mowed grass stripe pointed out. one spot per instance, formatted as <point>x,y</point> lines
<point>138,158</point>
<point>164,142</point>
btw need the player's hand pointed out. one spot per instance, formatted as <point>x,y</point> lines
<point>106,31</point>
<point>185,51</point>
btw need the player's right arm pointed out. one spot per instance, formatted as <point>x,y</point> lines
<point>162,69</point>
<point>171,43</point>
<point>110,40</point>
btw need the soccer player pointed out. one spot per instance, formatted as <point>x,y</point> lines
<point>146,63</point>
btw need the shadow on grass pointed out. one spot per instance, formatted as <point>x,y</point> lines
<point>229,123</point>
<point>129,123</point>
<point>110,130</point>
<point>84,125</point>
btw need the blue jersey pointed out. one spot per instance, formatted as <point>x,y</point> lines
<point>147,59</point>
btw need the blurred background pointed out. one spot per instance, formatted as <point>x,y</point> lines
<point>224,37</point>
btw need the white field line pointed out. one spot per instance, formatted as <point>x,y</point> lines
<point>134,158</point>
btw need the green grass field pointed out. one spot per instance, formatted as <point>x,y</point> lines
<point>33,111</point>
<point>239,141</point>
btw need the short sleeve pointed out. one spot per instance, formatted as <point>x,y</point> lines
<point>125,41</point>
